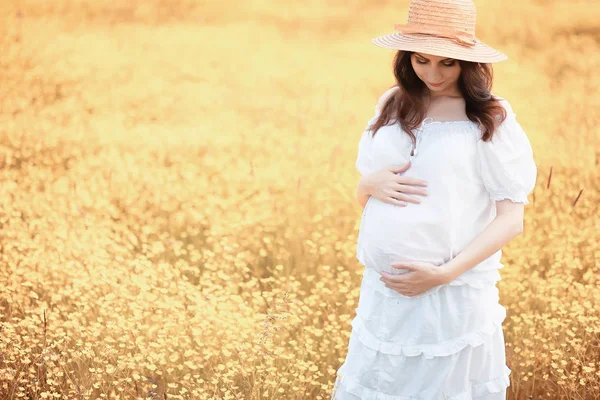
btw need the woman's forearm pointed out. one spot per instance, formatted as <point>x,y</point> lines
<point>496,235</point>
<point>363,191</point>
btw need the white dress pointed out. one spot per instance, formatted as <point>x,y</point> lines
<point>446,343</point>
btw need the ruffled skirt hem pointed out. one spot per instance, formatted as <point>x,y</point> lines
<point>349,388</point>
<point>446,345</point>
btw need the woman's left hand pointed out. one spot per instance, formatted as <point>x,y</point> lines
<point>422,277</point>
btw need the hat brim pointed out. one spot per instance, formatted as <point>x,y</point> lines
<point>439,46</point>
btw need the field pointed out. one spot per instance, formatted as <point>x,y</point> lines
<point>177,181</point>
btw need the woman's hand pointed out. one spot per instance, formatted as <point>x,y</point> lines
<point>421,277</point>
<point>388,187</point>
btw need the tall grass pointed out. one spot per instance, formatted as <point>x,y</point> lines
<point>177,186</point>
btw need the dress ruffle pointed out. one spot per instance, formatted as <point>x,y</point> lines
<point>448,344</point>
<point>440,325</point>
<point>429,350</point>
<point>348,385</point>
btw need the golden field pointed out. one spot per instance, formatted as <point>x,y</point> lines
<point>178,213</point>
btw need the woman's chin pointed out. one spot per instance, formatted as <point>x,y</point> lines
<point>436,88</point>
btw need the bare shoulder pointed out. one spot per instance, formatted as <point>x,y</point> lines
<point>385,96</point>
<point>503,102</point>
<point>507,108</point>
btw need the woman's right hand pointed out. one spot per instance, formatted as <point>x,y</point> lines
<point>388,187</point>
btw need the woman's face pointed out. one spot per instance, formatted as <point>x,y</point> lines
<point>440,74</point>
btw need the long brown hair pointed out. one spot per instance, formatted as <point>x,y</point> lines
<point>474,83</point>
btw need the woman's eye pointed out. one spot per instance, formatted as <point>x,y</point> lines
<point>446,65</point>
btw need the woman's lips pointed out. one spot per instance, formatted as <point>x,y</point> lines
<point>436,84</point>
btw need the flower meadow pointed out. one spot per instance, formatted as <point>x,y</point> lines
<point>177,182</point>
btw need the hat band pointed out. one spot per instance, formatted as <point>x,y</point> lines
<point>460,37</point>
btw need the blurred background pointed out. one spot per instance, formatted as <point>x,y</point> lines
<point>177,181</point>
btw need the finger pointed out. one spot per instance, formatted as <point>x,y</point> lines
<point>394,201</point>
<point>410,189</point>
<point>408,199</point>
<point>404,290</point>
<point>393,279</point>
<point>407,180</point>
<point>397,193</point>
<point>391,197</point>
<point>403,265</point>
<point>399,168</point>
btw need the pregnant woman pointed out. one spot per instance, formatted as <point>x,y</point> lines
<point>429,323</point>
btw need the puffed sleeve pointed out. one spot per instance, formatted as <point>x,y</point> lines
<point>365,161</point>
<point>506,163</point>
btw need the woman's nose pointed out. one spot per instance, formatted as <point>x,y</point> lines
<point>435,75</point>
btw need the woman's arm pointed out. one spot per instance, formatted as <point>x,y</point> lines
<point>507,224</point>
<point>508,172</point>
<point>363,191</point>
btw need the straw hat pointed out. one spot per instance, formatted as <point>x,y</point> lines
<point>443,28</point>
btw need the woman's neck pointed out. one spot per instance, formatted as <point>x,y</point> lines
<point>450,92</point>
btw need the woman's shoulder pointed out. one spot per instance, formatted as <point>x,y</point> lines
<point>385,96</point>
<point>510,113</point>
<point>503,102</point>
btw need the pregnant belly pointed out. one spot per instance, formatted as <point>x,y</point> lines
<point>417,232</point>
